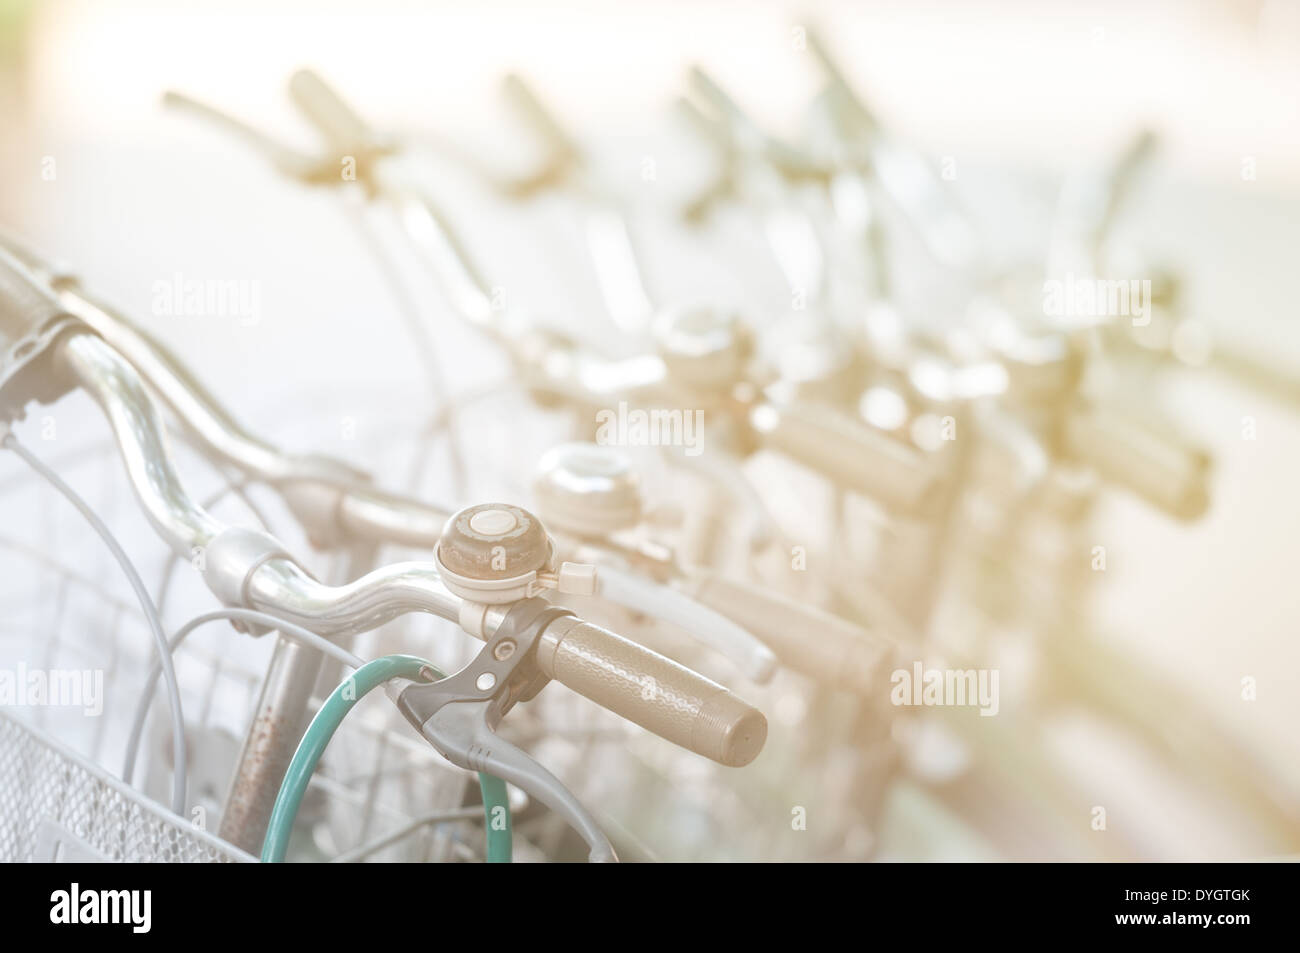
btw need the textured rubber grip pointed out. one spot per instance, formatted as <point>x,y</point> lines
<point>1152,461</point>
<point>900,477</point>
<point>654,692</point>
<point>832,650</point>
<point>345,131</point>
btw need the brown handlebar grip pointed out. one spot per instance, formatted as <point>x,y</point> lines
<point>1152,460</point>
<point>654,692</point>
<point>826,647</point>
<point>852,454</point>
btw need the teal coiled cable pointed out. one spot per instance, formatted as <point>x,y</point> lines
<point>496,806</point>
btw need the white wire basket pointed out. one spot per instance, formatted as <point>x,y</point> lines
<point>56,806</point>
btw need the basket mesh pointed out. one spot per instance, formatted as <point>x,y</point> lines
<point>55,805</point>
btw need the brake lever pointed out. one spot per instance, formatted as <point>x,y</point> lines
<point>342,128</point>
<point>285,159</point>
<point>1089,204</point>
<point>604,216</point>
<point>459,715</point>
<point>904,175</point>
<point>747,137</point>
<point>564,157</point>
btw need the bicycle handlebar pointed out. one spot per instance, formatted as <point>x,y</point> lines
<point>327,495</point>
<point>246,567</point>
<point>806,639</point>
<point>331,500</point>
<point>1152,461</point>
<point>720,631</point>
<point>850,453</point>
<point>24,306</point>
<point>114,385</point>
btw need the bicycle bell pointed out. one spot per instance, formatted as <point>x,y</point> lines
<point>588,490</point>
<point>494,553</point>
<point>702,347</point>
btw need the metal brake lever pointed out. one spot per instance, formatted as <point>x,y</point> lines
<point>904,174</point>
<point>563,158</point>
<point>604,216</point>
<point>347,138</point>
<point>748,137</point>
<point>459,715</point>
<point>341,127</point>
<point>287,160</point>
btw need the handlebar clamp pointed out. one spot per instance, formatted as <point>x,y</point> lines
<point>230,559</point>
<point>31,320</point>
